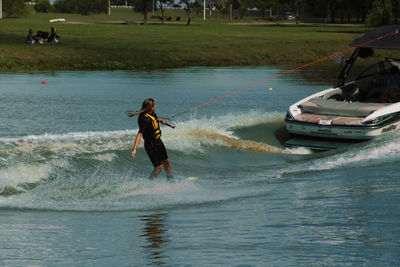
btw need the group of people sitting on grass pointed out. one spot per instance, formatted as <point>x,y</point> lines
<point>42,37</point>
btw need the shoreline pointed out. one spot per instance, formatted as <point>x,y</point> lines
<point>98,45</point>
<point>110,68</point>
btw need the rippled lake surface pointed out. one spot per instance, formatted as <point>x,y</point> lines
<point>71,195</point>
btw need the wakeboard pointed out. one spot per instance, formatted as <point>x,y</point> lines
<point>191,179</point>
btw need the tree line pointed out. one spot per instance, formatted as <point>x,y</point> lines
<point>370,12</point>
<point>17,8</point>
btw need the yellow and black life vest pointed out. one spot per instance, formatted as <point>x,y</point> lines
<point>156,126</point>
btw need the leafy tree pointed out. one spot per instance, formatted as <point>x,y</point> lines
<point>84,7</point>
<point>333,9</point>
<point>121,2</point>
<point>144,7</point>
<point>297,8</point>
<point>87,7</point>
<point>381,13</point>
<point>264,5</point>
<point>198,7</point>
<point>333,6</point>
<point>243,6</point>
<point>14,8</point>
<point>161,5</point>
<point>226,5</point>
<point>188,6</point>
<point>43,6</point>
<point>62,6</point>
<point>321,9</point>
<point>396,10</point>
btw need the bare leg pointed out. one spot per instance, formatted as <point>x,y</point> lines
<point>168,169</point>
<point>155,172</point>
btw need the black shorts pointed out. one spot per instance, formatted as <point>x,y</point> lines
<point>156,152</point>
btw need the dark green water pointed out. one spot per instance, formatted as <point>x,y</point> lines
<point>71,195</point>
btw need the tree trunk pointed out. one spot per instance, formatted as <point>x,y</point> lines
<point>230,11</point>
<point>327,13</point>
<point>363,17</point>
<point>145,18</point>
<point>189,15</point>
<point>333,15</point>
<point>162,13</point>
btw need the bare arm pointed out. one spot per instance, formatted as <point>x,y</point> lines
<point>137,141</point>
<point>161,120</point>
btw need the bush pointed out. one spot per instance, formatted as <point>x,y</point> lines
<point>381,13</point>
<point>14,8</point>
<point>84,7</point>
<point>43,6</point>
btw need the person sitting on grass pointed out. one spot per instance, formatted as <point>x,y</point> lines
<point>30,39</point>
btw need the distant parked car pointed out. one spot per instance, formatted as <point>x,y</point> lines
<point>288,16</point>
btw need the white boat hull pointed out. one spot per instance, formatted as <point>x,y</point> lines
<point>340,132</point>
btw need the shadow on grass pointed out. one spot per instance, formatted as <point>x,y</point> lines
<point>292,25</point>
<point>266,24</point>
<point>13,38</point>
<point>169,24</point>
<point>352,32</point>
<point>182,25</point>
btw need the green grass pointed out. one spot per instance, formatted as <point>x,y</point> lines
<point>215,42</point>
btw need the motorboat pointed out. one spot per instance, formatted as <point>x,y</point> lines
<point>356,111</point>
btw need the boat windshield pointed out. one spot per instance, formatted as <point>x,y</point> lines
<point>379,68</point>
<point>380,83</point>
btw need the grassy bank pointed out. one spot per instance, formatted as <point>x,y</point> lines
<point>102,46</point>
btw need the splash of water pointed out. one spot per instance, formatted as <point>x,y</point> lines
<point>87,171</point>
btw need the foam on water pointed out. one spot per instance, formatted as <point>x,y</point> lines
<point>381,150</point>
<point>106,157</point>
<point>191,136</point>
<point>76,142</point>
<point>157,188</point>
<point>85,170</point>
<point>15,178</point>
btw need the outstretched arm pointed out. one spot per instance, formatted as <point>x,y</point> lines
<point>137,141</point>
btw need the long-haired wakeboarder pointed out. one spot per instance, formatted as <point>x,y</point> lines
<point>149,130</point>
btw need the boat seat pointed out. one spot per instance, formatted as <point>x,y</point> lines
<point>328,119</point>
<point>340,108</point>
